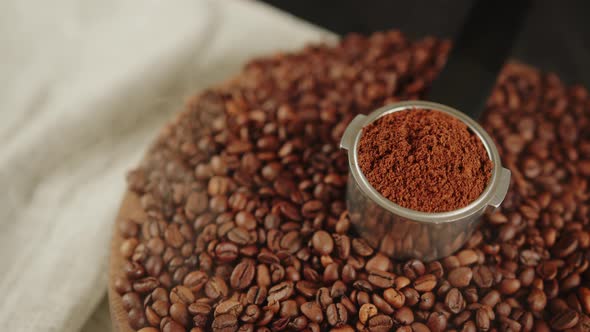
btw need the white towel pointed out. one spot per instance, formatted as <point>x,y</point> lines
<point>84,87</point>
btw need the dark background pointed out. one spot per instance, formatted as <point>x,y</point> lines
<point>555,36</point>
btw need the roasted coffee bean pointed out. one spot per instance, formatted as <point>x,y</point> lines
<point>179,313</point>
<point>564,320</point>
<point>306,288</point>
<point>225,323</point>
<point>338,289</point>
<point>256,295</point>
<point>336,314</point>
<point>228,307</point>
<point>182,294</point>
<point>381,279</point>
<point>460,277</point>
<point>379,323</point>
<point>313,311</point>
<point>251,314</point>
<point>199,308</point>
<point>242,275</point>
<point>122,285</point>
<point>367,311</point>
<point>216,288</point>
<point>404,316</point>
<point>394,297</point>
<point>226,251</point>
<point>483,316</point>
<point>536,300</point>
<point>413,269</point>
<point>280,292</point>
<point>454,301</point>
<point>136,318</point>
<point>509,286</point>
<point>195,281</point>
<point>323,297</point>
<point>361,247</point>
<point>437,322</point>
<point>425,283</point>
<point>379,262</point>
<point>427,300</point>
<point>145,285</point>
<point>412,296</point>
<point>131,301</point>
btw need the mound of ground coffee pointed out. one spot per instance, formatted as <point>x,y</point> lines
<point>243,223</point>
<point>424,160</point>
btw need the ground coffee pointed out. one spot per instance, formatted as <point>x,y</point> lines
<point>244,224</point>
<point>424,160</point>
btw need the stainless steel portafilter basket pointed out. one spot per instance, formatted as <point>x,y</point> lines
<point>402,233</point>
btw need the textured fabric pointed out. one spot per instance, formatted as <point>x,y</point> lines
<point>84,87</point>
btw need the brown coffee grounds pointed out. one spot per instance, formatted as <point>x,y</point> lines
<point>424,160</point>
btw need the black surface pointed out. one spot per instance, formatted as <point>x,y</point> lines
<point>471,70</point>
<point>555,36</point>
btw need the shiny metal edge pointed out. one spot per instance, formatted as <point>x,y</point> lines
<point>489,195</point>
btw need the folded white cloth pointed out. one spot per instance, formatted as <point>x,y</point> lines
<point>84,87</point>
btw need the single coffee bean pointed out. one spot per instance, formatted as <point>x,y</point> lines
<point>437,322</point>
<point>394,297</point>
<point>537,300</point>
<point>379,323</point>
<point>367,311</point>
<point>404,315</point>
<point>343,245</point>
<point>482,276</point>
<point>251,314</point>
<point>243,275</point>
<point>179,313</point>
<point>280,292</point>
<point>379,262</point>
<point>228,307</point>
<point>427,300</point>
<point>361,247</point>
<point>122,285</point>
<point>467,257</point>
<point>216,288</point>
<point>454,301</point>
<point>131,301</point>
<point>313,311</point>
<point>509,286</point>
<point>460,277</point>
<point>182,294</point>
<point>225,323</point>
<point>425,283</point>
<point>336,314</point>
<point>381,279</point>
<point>381,304</point>
<point>412,296</point>
<point>564,320</point>
<point>136,318</point>
<point>323,297</point>
<point>338,289</point>
<point>288,309</point>
<point>482,319</point>
<point>145,285</point>
<point>306,288</point>
<point>195,281</point>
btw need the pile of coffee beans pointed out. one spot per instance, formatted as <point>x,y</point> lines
<point>245,225</point>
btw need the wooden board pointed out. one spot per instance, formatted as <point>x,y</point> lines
<point>130,208</point>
